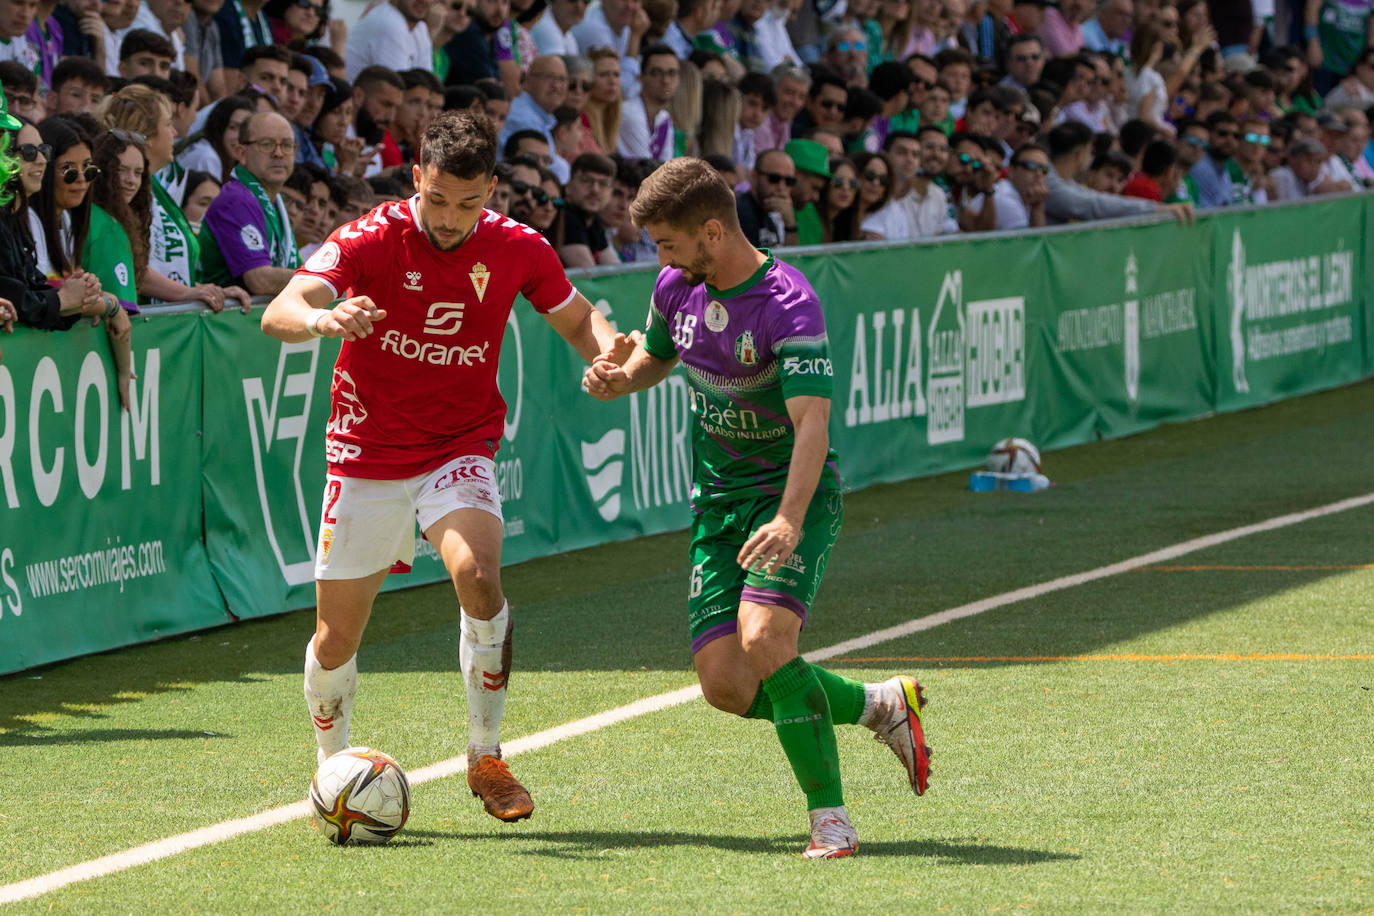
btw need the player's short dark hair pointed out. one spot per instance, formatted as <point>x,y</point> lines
<point>459,143</point>
<point>685,193</point>
<point>513,142</point>
<point>79,68</point>
<point>263,52</point>
<point>141,40</point>
<point>593,164</point>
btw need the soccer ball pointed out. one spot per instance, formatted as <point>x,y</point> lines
<point>360,796</point>
<point>1014,456</point>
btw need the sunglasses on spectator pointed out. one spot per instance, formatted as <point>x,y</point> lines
<point>71,173</point>
<point>1041,167</point>
<point>1222,134</point>
<point>831,105</point>
<point>775,178</point>
<point>923,84</point>
<point>845,183</point>
<point>584,85</point>
<point>1182,102</point>
<point>877,178</point>
<point>538,194</point>
<point>1261,139</point>
<point>971,161</point>
<point>851,46</point>
<point>1196,141</point>
<point>1104,80</point>
<point>30,153</point>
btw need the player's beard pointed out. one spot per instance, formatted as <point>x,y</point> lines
<point>433,240</point>
<point>694,274</point>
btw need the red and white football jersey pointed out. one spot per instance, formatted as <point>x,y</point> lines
<point>421,389</point>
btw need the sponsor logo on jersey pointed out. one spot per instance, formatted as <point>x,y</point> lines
<point>745,350</point>
<point>479,277</point>
<point>414,281</point>
<point>326,544</point>
<point>348,410</point>
<point>339,452</point>
<point>444,318</point>
<point>252,238</point>
<point>716,316</point>
<point>324,258</point>
<point>408,347</point>
<point>816,365</point>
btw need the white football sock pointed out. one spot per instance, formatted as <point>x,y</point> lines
<point>329,696</point>
<point>484,655</point>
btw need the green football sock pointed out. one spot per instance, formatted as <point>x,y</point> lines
<point>846,698</point>
<point>801,716</point>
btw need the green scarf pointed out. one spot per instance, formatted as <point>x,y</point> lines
<point>281,243</point>
<point>170,224</point>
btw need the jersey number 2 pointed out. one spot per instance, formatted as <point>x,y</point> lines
<point>331,493</point>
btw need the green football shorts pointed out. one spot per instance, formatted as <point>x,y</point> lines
<point>719,583</point>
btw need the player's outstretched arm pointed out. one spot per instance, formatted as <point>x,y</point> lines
<point>606,381</point>
<point>302,311</point>
<point>580,324</point>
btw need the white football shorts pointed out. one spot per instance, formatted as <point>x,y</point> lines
<point>369,525</point>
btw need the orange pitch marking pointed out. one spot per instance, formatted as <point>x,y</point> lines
<point>1124,657</point>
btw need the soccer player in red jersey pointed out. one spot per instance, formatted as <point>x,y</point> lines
<point>420,291</point>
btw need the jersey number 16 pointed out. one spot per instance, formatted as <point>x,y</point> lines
<point>684,330</point>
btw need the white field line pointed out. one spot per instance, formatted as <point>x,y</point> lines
<point>217,833</point>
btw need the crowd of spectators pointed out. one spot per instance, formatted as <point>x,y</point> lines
<point>166,150</point>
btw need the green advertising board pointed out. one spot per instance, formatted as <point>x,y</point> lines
<point>100,538</point>
<point>201,503</point>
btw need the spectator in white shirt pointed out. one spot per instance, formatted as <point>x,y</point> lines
<point>393,34</point>
<point>619,25</point>
<point>1300,177</point>
<point>646,128</point>
<point>918,207</point>
<point>552,34</point>
<point>165,18</point>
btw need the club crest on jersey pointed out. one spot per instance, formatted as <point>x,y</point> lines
<point>716,316</point>
<point>745,351</point>
<point>479,277</point>
<point>252,238</point>
<point>414,281</point>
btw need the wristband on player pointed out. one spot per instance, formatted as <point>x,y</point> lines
<point>1309,32</point>
<point>111,306</point>
<point>312,324</point>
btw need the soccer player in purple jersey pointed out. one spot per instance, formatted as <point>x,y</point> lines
<point>766,495</point>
